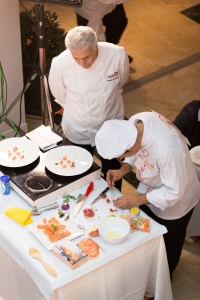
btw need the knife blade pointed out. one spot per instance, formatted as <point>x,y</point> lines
<point>99,197</point>
<point>82,199</point>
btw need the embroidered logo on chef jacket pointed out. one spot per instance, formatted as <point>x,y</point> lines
<point>141,161</point>
<point>113,76</point>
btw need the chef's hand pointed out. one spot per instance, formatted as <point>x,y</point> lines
<point>112,176</point>
<point>128,201</point>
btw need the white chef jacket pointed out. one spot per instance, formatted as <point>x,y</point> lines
<point>89,96</point>
<point>165,169</point>
<point>94,11</point>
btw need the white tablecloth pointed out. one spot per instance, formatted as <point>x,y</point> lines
<point>124,271</point>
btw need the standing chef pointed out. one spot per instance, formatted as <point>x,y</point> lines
<point>87,80</point>
<point>169,188</point>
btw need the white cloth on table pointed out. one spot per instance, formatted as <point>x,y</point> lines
<point>89,96</point>
<point>165,169</point>
<point>146,250</point>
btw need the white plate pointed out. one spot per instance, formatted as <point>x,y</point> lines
<point>71,224</point>
<point>82,158</point>
<point>26,147</point>
<point>195,155</point>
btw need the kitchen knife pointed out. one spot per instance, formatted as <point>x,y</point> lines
<point>82,199</point>
<point>99,197</point>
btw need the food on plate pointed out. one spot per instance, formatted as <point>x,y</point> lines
<point>108,200</point>
<point>65,162</point>
<point>15,154</point>
<point>88,213</point>
<point>93,231</point>
<point>103,196</point>
<point>54,230</point>
<point>89,247</point>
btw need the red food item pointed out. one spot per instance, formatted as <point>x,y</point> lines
<point>108,200</point>
<point>103,196</point>
<point>93,231</point>
<point>88,213</point>
<point>112,210</point>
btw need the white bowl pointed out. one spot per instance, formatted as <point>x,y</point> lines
<point>114,229</point>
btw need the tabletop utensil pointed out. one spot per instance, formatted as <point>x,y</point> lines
<point>36,254</point>
<point>82,198</point>
<point>36,211</point>
<point>99,197</point>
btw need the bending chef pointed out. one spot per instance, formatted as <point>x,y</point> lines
<point>169,188</point>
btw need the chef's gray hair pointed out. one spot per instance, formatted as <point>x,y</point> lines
<point>80,37</point>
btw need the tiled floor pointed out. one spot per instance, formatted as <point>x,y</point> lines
<point>164,76</point>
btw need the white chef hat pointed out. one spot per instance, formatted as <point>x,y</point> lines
<point>115,137</point>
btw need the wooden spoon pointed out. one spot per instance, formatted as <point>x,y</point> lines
<point>36,254</point>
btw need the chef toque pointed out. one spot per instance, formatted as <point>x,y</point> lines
<point>115,137</point>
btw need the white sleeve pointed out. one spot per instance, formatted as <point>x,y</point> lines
<point>124,69</point>
<point>56,84</point>
<point>174,178</point>
<point>130,160</point>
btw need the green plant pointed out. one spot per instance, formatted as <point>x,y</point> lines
<point>3,102</point>
<point>54,36</point>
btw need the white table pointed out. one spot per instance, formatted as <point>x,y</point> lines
<point>124,271</point>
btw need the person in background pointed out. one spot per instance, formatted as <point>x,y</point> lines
<point>87,80</point>
<point>108,13</point>
<point>188,122</point>
<point>166,193</point>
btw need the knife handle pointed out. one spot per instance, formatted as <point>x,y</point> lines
<point>89,189</point>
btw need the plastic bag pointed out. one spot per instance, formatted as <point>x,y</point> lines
<point>138,222</point>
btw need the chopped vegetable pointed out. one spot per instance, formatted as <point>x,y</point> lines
<point>65,206</point>
<point>54,227</point>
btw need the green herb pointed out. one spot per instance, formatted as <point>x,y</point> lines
<point>54,227</point>
<point>60,212</point>
<point>67,198</point>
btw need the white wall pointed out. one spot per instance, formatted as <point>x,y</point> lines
<point>11,60</point>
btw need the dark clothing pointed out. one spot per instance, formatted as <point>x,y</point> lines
<point>115,23</point>
<point>187,122</point>
<point>106,164</point>
<point>174,238</point>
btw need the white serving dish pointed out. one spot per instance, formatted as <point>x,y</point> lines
<point>114,229</point>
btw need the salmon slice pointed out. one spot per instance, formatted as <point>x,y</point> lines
<point>41,226</point>
<point>53,221</point>
<point>53,237</point>
<point>48,232</point>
